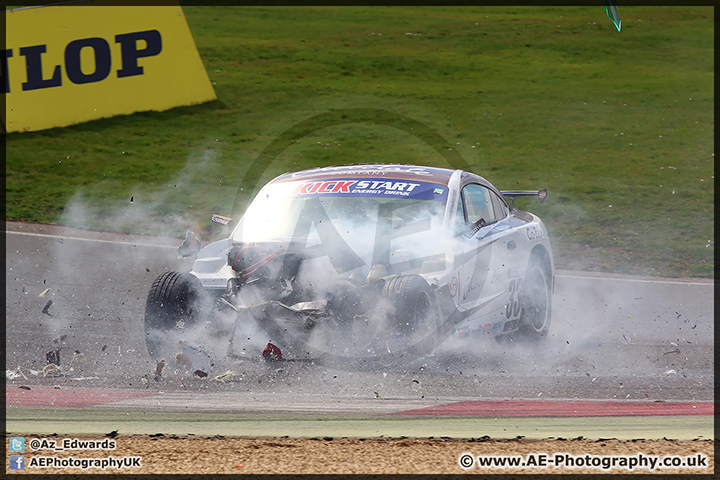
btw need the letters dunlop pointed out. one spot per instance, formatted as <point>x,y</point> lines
<point>67,64</point>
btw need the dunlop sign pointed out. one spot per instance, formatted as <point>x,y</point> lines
<point>68,64</point>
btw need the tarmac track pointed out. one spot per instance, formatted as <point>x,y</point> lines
<point>628,357</point>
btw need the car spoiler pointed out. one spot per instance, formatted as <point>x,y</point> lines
<point>541,194</point>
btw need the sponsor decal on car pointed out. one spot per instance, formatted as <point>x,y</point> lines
<point>534,233</point>
<point>370,188</point>
<point>368,170</point>
<point>516,272</point>
<point>453,286</point>
<point>511,326</point>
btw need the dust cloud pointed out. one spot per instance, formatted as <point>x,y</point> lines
<point>598,329</point>
<point>145,210</point>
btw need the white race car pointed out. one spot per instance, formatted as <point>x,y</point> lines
<point>361,261</point>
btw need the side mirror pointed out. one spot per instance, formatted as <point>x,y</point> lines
<point>475,228</point>
<point>221,220</point>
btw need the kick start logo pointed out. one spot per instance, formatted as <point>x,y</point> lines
<point>371,188</point>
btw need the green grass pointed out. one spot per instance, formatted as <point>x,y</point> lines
<point>617,126</point>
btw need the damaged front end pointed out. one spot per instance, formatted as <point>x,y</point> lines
<point>290,303</point>
<point>282,303</point>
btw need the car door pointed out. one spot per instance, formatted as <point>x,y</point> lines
<point>484,234</point>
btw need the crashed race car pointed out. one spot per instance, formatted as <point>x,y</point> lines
<point>362,261</point>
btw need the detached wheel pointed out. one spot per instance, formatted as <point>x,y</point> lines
<point>412,310</point>
<point>536,302</point>
<point>172,305</point>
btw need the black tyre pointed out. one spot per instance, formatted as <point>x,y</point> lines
<point>412,309</point>
<point>172,305</point>
<point>535,301</point>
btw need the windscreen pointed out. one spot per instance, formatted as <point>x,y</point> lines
<point>358,210</point>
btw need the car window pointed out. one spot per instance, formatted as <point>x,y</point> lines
<point>501,210</point>
<point>478,204</point>
<point>460,222</point>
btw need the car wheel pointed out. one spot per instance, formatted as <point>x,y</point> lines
<point>412,309</point>
<point>535,301</point>
<point>172,305</point>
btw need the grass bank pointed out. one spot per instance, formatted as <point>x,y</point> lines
<point>617,126</point>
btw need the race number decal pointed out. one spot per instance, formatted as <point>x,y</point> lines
<point>512,308</point>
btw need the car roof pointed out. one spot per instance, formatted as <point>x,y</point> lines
<point>375,171</point>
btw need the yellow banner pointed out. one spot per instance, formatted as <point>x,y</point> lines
<point>72,63</point>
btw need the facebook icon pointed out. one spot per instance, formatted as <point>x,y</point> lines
<point>17,462</point>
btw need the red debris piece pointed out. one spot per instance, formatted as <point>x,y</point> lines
<point>272,352</point>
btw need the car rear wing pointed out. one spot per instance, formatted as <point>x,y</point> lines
<point>541,194</point>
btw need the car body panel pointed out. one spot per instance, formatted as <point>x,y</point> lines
<point>410,220</point>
